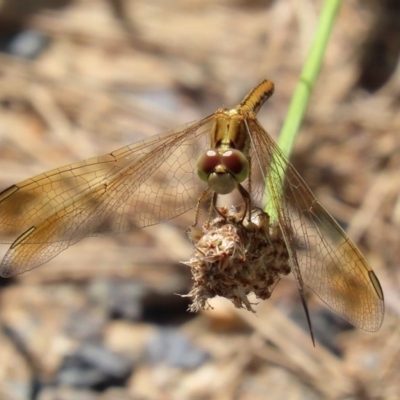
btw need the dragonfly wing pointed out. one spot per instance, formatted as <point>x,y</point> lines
<point>133,187</point>
<point>29,202</point>
<point>323,257</point>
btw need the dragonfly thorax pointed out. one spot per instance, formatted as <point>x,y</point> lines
<point>223,170</point>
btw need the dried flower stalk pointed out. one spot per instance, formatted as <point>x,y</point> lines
<point>234,257</point>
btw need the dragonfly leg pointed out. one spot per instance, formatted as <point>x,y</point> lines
<point>200,200</point>
<point>247,202</point>
<point>213,206</point>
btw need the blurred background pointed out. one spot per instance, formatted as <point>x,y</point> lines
<point>79,78</point>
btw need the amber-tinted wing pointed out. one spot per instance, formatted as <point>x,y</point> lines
<point>322,256</point>
<point>133,187</point>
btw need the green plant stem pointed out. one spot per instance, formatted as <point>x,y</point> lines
<point>309,74</point>
<point>300,99</point>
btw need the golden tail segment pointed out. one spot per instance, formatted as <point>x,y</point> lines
<point>257,97</point>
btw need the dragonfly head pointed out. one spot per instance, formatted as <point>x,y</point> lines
<point>223,170</point>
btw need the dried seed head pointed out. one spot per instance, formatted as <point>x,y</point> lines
<point>234,257</point>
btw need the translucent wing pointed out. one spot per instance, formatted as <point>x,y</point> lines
<point>322,256</point>
<point>133,187</point>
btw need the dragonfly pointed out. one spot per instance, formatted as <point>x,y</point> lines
<point>159,178</point>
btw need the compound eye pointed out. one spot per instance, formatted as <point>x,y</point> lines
<point>207,163</point>
<point>236,163</point>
